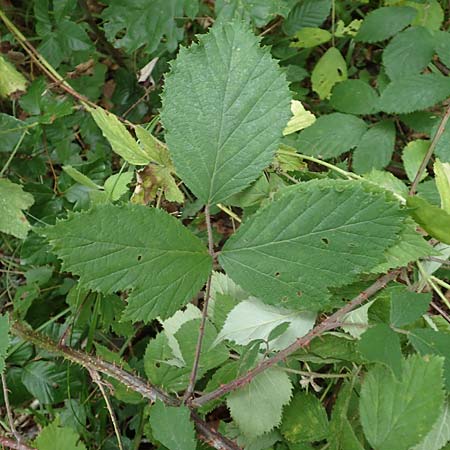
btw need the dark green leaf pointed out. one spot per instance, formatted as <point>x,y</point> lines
<point>306,13</point>
<point>354,97</point>
<point>407,306</point>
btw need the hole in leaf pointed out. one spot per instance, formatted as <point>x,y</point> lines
<point>339,71</point>
<point>299,293</point>
<point>157,364</point>
<point>277,274</point>
<point>325,241</point>
<point>139,257</point>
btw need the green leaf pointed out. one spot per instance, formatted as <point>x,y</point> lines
<point>383,23</point>
<point>381,344</point>
<point>435,221</point>
<point>260,12</point>
<point>357,321</point>
<point>387,181</point>
<point>376,147</point>
<point>414,92</point>
<point>331,135</point>
<point>310,37</point>
<point>409,52</point>
<point>304,419</point>
<point>117,185</point>
<point>253,320</point>
<point>56,436</point>
<point>390,409</point>
<point>307,13</point>
<point>342,435</point>
<point>12,201</point>
<point>155,150</point>
<point>135,248</point>
<point>138,23</point>
<point>439,434</point>
<point>225,106</point>
<point>430,342</point>
<point>413,155</point>
<point>11,80</point>
<point>409,248</point>
<point>407,306</point>
<point>329,70</point>
<point>172,426</point>
<point>442,177</point>
<point>316,235</point>
<point>442,40</point>
<point>11,130</point>
<point>267,393</point>
<point>80,177</point>
<point>4,340</point>
<point>118,136</point>
<point>354,97</point>
<point>429,14</point>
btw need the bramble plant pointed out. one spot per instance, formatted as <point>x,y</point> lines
<point>248,247</point>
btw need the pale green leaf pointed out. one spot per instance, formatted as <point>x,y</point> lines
<point>253,320</point>
<point>310,37</point>
<point>307,13</point>
<point>409,52</point>
<point>117,185</point>
<point>429,14</point>
<point>390,409</point>
<point>80,177</point>
<point>314,236</point>
<point>347,30</point>
<point>145,250</point>
<point>118,136</point>
<point>331,135</point>
<point>13,200</point>
<point>439,434</point>
<point>266,394</point>
<point>383,23</point>
<point>357,321</point>
<point>172,426</point>
<point>55,436</point>
<point>304,419</point>
<point>414,92</point>
<point>4,340</point>
<point>354,97</point>
<point>413,155</point>
<point>442,42</point>
<point>442,174</point>
<point>435,221</point>
<point>387,181</point>
<point>329,70</point>
<point>11,130</point>
<point>225,106</point>
<point>376,147</point>
<point>407,306</point>
<point>301,118</point>
<point>155,150</point>
<point>381,344</point>
<point>11,80</point>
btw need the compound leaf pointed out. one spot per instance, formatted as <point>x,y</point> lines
<point>267,393</point>
<point>135,248</point>
<point>389,408</point>
<point>315,235</point>
<point>225,106</point>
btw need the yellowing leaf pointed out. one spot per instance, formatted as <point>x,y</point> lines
<point>413,155</point>
<point>329,70</point>
<point>310,37</point>
<point>301,118</point>
<point>442,173</point>
<point>10,79</point>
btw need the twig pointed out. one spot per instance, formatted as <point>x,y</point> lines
<point>440,311</point>
<point>9,443</point>
<point>130,380</point>
<point>330,323</point>
<point>98,381</point>
<point>430,151</point>
<point>17,436</point>
<point>198,349</point>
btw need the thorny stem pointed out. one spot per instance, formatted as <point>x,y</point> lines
<point>430,151</point>
<point>330,323</point>
<point>201,333</point>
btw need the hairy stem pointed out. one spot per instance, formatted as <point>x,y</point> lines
<point>430,151</point>
<point>201,333</point>
<point>330,323</point>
